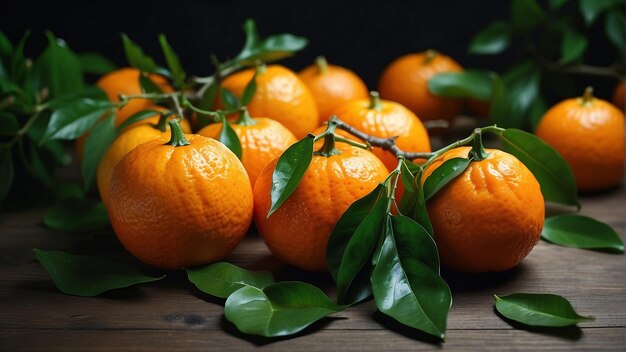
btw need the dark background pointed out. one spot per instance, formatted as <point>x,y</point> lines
<point>362,35</point>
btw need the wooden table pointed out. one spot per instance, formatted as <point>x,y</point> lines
<point>172,315</point>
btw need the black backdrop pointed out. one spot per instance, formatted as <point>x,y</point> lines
<point>362,35</point>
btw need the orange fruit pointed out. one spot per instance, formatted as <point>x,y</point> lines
<point>176,207</point>
<point>619,95</point>
<point>262,139</point>
<point>280,94</point>
<point>332,86</point>
<point>488,218</point>
<point>405,81</point>
<point>384,119</point>
<point>136,134</point>
<point>297,233</point>
<point>589,134</point>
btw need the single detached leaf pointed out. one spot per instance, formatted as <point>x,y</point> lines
<point>221,279</point>
<point>173,62</point>
<point>82,275</point>
<point>136,117</point>
<point>614,28</point>
<point>281,309</point>
<point>352,243</point>
<point>97,143</point>
<point>591,9</point>
<point>466,84</point>
<point>289,170</point>
<point>445,173</point>
<point>539,309</point>
<point>74,119</point>
<point>493,39</point>
<point>76,215</point>
<point>229,138</point>
<point>136,57</point>
<point>6,171</point>
<point>526,14</point>
<point>551,170</point>
<point>406,281</point>
<point>573,46</point>
<point>248,92</point>
<point>95,63</point>
<point>580,231</point>
<point>229,99</point>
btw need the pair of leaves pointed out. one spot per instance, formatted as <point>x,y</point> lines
<point>542,310</point>
<point>137,58</point>
<point>272,48</point>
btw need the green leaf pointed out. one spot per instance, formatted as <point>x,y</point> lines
<point>91,92</point>
<point>445,173</point>
<point>41,168</point>
<point>248,92</point>
<point>6,47</point>
<point>493,39</point>
<point>52,149</point>
<point>97,143</point>
<point>536,111</point>
<point>87,276</point>
<point>557,4</point>
<point>500,109</point>
<point>281,309</point>
<point>6,171</point>
<point>522,87</point>
<point>580,231</point>
<point>136,117</point>
<point>173,62</point>
<point>59,68</point>
<point>466,84</point>
<point>229,99</point>
<point>95,63</point>
<point>18,64</point>
<point>252,40</point>
<point>229,138</point>
<point>74,119</point>
<point>136,57</point>
<point>551,170</point>
<point>573,46</point>
<point>406,281</point>
<point>539,310</point>
<point>289,170</point>
<point>208,98</point>
<point>352,243</point>
<point>614,28</point>
<point>526,14</point>
<point>148,86</point>
<point>272,48</point>
<point>222,279</point>
<point>591,9</point>
<point>76,215</point>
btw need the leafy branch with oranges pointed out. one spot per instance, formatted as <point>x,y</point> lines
<point>336,181</point>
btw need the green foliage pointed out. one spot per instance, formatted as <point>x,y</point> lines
<point>73,214</point>
<point>221,279</point>
<point>445,173</point>
<point>229,138</point>
<point>534,309</point>
<point>580,231</point>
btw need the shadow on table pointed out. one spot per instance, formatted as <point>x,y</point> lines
<point>393,325</point>
<point>571,333</point>
<point>464,282</point>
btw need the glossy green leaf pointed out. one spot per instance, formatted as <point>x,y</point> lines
<point>222,279</point>
<point>74,119</point>
<point>526,14</point>
<point>60,68</point>
<point>289,170</point>
<point>148,86</point>
<point>229,138</point>
<point>556,4</point>
<point>136,57</point>
<point>352,243</point>
<point>407,177</point>
<point>420,213</point>
<point>91,92</point>
<point>539,310</point>
<point>281,309</point>
<point>87,276</point>
<point>6,47</point>
<point>591,9</point>
<point>614,28</point>
<point>551,170</point>
<point>76,215</point>
<point>252,40</point>
<point>573,46</point>
<point>406,281</point>
<point>445,173</point>
<point>96,144</point>
<point>536,110</point>
<point>248,92</point>
<point>6,171</point>
<point>229,99</point>
<point>578,231</point>
<point>466,84</point>
<point>53,150</point>
<point>493,39</point>
<point>173,62</point>
<point>95,63</point>
<point>208,98</point>
<point>272,48</point>
<point>522,88</point>
<point>41,167</point>
<point>500,109</point>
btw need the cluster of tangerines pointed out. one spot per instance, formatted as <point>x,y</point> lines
<point>178,200</point>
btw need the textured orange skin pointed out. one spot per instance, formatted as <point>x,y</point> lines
<point>179,207</point>
<point>488,218</point>
<point>280,95</point>
<point>391,120</point>
<point>332,88</point>
<point>405,81</point>
<point>260,143</point>
<point>136,134</point>
<point>297,233</point>
<point>590,137</point>
<point>619,95</point>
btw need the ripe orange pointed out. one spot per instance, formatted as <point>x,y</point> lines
<point>332,86</point>
<point>589,133</point>
<point>297,233</point>
<point>405,81</point>
<point>136,134</point>
<point>280,94</point>
<point>488,218</point>
<point>619,95</point>
<point>386,119</point>
<point>262,139</point>
<point>181,206</point>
